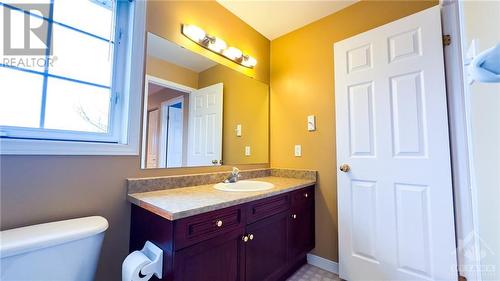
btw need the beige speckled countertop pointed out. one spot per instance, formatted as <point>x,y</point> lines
<point>183,202</point>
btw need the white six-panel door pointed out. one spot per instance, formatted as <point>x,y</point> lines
<point>395,203</point>
<point>205,126</point>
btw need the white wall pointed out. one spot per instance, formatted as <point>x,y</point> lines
<point>482,22</point>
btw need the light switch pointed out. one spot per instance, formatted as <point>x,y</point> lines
<point>311,123</point>
<point>298,150</point>
<point>238,130</point>
<point>248,151</point>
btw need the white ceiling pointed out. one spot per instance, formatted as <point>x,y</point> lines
<point>273,18</point>
<point>163,49</point>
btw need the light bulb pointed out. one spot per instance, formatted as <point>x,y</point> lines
<point>233,53</point>
<point>217,45</point>
<point>193,32</point>
<point>249,62</point>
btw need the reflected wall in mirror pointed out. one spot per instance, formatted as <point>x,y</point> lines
<point>200,113</point>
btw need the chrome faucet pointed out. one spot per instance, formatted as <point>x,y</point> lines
<point>233,177</point>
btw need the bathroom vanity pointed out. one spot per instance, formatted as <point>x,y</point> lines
<point>213,235</point>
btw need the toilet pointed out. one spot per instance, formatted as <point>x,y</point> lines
<point>64,250</point>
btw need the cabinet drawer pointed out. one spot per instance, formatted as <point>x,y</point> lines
<point>304,196</point>
<point>268,207</point>
<point>201,227</point>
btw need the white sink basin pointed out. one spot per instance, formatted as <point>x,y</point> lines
<point>244,185</point>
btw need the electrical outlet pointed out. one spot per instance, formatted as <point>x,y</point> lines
<point>248,151</point>
<point>298,150</point>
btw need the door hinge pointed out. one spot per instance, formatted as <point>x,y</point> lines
<point>446,40</point>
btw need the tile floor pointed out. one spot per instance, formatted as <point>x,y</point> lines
<point>312,273</point>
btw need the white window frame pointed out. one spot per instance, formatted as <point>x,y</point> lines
<point>126,118</point>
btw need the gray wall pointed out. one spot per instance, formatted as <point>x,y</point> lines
<point>37,189</point>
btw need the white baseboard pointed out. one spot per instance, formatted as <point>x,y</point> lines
<point>323,263</point>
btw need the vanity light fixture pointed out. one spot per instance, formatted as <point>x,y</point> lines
<point>232,53</point>
<point>217,45</point>
<point>193,32</point>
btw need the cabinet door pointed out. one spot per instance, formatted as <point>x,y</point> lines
<point>210,260</point>
<point>266,249</point>
<point>301,231</point>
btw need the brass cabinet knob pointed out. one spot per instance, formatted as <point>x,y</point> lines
<point>218,223</point>
<point>306,195</point>
<point>244,238</point>
<point>345,168</point>
<point>250,236</point>
<point>294,216</point>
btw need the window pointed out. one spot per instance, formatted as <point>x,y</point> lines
<point>63,72</point>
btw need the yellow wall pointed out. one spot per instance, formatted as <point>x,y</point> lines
<point>168,71</point>
<point>246,102</point>
<point>302,83</point>
<point>165,19</point>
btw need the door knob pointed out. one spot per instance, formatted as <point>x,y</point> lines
<point>244,238</point>
<point>250,236</point>
<point>218,223</point>
<point>345,168</point>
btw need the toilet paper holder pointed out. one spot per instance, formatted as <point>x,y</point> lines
<point>155,254</point>
<point>154,267</point>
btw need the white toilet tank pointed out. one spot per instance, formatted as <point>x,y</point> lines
<point>57,251</point>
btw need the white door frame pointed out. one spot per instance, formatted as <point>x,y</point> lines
<point>152,139</point>
<point>160,82</point>
<point>466,220</point>
<point>162,151</point>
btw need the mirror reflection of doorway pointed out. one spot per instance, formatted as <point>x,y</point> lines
<point>179,133</point>
<point>172,132</point>
<point>166,125</point>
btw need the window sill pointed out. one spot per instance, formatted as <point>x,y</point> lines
<point>44,147</point>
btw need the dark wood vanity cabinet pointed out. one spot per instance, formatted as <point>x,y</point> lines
<point>214,259</point>
<point>266,251</point>
<point>262,240</point>
<point>301,223</point>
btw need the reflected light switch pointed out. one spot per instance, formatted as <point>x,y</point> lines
<point>311,123</point>
<point>298,150</point>
<point>238,130</point>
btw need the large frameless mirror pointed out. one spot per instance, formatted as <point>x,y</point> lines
<point>200,113</point>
